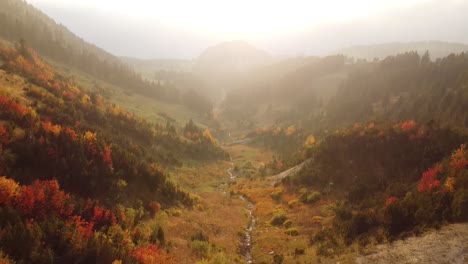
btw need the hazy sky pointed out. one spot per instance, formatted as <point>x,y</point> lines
<point>182,29</point>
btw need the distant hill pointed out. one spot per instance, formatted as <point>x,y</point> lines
<point>231,57</point>
<point>437,49</point>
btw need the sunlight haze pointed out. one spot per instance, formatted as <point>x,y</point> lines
<point>239,19</point>
<point>183,29</point>
<point>240,131</point>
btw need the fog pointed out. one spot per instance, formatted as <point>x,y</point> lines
<point>183,33</point>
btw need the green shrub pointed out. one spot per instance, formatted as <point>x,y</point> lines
<point>287,223</point>
<point>460,205</point>
<point>278,259</point>
<point>201,248</point>
<point>313,197</point>
<point>276,195</point>
<point>278,218</point>
<point>293,203</point>
<point>292,232</point>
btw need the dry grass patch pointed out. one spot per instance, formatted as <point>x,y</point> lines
<point>202,177</point>
<point>222,220</point>
<point>303,221</point>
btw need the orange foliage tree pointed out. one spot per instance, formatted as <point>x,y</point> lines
<point>458,159</point>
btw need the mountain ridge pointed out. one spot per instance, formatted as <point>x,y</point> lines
<point>436,49</point>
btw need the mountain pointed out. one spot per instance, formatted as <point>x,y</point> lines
<point>231,57</point>
<point>437,49</point>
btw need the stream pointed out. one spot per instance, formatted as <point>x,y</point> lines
<point>247,240</point>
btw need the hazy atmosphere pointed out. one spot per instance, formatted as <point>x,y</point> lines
<point>233,132</point>
<point>182,29</point>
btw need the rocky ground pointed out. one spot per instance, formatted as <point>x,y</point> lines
<point>447,245</point>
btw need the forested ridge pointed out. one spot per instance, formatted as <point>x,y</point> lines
<point>19,20</point>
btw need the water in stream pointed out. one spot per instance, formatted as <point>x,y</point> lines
<point>247,240</point>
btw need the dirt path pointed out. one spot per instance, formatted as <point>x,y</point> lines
<point>447,245</point>
<point>278,177</point>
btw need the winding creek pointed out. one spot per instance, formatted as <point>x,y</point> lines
<point>246,247</point>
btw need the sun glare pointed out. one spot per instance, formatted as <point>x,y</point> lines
<point>237,19</point>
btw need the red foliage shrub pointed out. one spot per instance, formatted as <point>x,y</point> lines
<point>5,138</point>
<point>408,125</point>
<point>72,134</point>
<point>151,255</point>
<point>279,165</point>
<point>391,200</point>
<point>428,179</point>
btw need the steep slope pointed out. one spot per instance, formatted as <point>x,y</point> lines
<point>84,178</point>
<point>19,20</point>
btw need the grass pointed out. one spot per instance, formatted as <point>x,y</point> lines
<point>143,106</point>
<point>199,178</point>
<point>244,156</point>
<point>221,217</point>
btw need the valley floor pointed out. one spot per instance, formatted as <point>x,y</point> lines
<point>223,217</point>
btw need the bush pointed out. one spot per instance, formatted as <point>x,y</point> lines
<point>278,259</point>
<point>397,218</point>
<point>201,248</point>
<point>292,232</point>
<point>360,223</point>
<point>278,218</point>
<point>313,197</point>
<point>293,203</point>
<point>287,224</point>
<point>460,205</point>
<point>276,195</point>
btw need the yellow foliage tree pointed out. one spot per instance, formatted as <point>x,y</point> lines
<point>450,184</point>
<point>310,141</point>
<point>90,136</point>
<point>86,100</point>
<point>207,135</point>
<point>8,188</point>
<point>56,129</point>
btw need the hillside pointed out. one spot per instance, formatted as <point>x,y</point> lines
<point>148,67</point>
<point>19,20</point>
<point>83,167</point>
<point>437,49</point>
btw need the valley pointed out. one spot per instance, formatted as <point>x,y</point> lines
<point>238,154</point>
